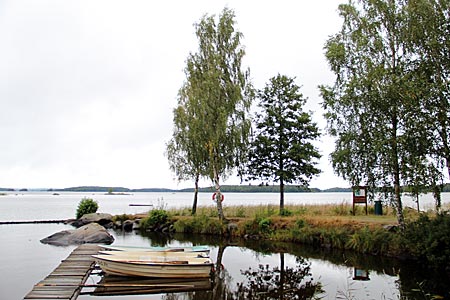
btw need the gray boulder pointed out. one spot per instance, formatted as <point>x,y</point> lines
<point>90,233</point>
<point>101,218</point>
<point>127,225</point>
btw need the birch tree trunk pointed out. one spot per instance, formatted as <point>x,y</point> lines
<point>194,205</point>
<point>218,196</point>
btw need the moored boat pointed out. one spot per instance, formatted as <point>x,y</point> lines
<point>188,267</point>
<point>154,255</point>
<point>200,248</point>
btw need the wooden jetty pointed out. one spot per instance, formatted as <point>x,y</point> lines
<point>66,281</point>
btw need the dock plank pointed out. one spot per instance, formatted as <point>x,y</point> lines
<point>65,281</point>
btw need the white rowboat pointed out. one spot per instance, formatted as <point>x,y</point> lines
<point>154,255</point>
<point>159,249</point>
<point>186,268</point>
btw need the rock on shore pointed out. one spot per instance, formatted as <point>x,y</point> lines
<point>90,233</point>
<point>101,218</point>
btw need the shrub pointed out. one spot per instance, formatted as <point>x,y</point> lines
<point>264,225</point>
<point>86,206</point>
<point>286,212</point>
<point>300,223</point>
<point>429,238</point>
<point>156,217</point>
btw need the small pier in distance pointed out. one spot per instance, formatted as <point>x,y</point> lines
<point>66,281</point>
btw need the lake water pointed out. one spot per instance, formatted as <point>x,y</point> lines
<point>25,261</point>
<point>46,206</point>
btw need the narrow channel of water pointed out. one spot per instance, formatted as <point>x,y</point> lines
<point>247,269</point>
<point>268,270</point>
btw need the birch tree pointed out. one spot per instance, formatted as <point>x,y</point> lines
<point>367,108</point>
<point>218,95</point>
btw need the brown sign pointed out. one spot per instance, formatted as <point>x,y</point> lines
<point>359,196</point>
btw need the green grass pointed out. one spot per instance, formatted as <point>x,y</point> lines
<point>330,226</point>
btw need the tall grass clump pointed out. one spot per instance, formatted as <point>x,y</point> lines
<point>86,206</point>
<point>373,241</point>
<point>342,209</point>
<point>200,224</point>
<point>429,238</point>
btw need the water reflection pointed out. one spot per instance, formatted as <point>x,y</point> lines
<point>118,286</point>
<point>360,274</point>
<point>279,282</point>
<point>265,282</point>
<point>268,270</point>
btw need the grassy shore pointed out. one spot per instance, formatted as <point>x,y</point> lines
<point>427,235</point>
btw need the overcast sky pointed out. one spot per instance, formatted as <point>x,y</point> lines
<point>87,88</point>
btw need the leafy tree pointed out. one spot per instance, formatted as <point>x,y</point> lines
<point>428,37</point>
<point>185,151</point>
<point>215,100</point>
<point>281,149</point>
<point>369,107</point>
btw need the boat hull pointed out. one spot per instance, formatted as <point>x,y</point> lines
<point>159,249</point>
<point>120,267</point>
<point>146,255</point>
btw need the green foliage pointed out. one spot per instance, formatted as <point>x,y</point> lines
<point>156,217</point>
<point>282,149</point>
<point>286,212</point>
<point>259,225</point>
<point>429,238</point>
<point>384,108</point>
<point>211,123</point>
<point>300,223</point>
<point>86,206</point>
<point>370,241</point>
<point>200,224</point>
<point>429,38</point>
<point>264,225</point>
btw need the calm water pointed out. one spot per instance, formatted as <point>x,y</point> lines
<point>46,206</point>
<point>25,261</point>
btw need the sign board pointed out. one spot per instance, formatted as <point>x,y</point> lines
<point>361,274</point>
<point>359,196</point>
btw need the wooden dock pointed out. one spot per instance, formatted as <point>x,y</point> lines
<point>66,281</point>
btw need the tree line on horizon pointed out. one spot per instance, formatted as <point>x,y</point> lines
<point>262,188</point>
<point>388,108</point>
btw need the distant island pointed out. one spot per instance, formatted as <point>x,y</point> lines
<point>224,188</point>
